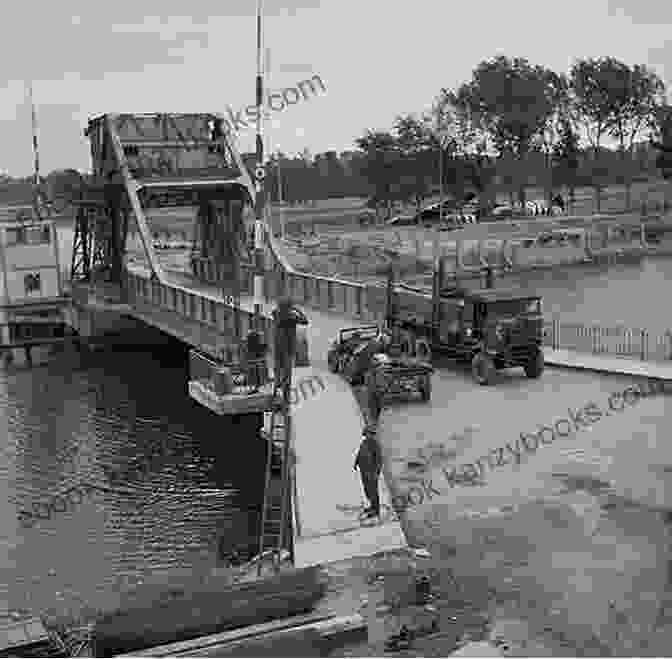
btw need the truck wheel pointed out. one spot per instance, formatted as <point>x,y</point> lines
<point>535,366</point>
<point>483,369</point>
<point>423,350</point>
<point>426,389</point>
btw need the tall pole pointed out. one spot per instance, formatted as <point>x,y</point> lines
<point>259,229</point>
<point>36,151</point>
<point>439,134</point>
<point>441,182</point>
<point>280,197</point>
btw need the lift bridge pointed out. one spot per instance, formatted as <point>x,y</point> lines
<point>143,164</point>
<point>179,167</point>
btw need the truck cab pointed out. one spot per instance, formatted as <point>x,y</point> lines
<point>493,328</point>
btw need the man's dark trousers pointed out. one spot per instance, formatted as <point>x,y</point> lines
<point>370,483</point>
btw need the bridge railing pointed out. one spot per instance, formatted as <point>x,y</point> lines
<point>619,341</point>
<point>207,310</point>
<point>327,294</point>
<point>367,303</point>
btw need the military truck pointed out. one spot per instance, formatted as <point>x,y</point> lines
<point>491,328</point>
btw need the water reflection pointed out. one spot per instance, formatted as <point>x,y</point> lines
<point>67,423</point>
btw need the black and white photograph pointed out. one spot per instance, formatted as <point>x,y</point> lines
<point>335,329</point>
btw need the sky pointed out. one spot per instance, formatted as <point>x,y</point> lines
<point>378,59</point>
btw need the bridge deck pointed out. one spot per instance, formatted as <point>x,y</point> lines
<point>327,433</point>
<point>521,504</point>
<point>329,493</point>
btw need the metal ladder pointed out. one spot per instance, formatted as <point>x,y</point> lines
<point>274,514</point>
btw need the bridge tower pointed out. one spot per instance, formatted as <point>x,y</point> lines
<point>145,164</point>
<point>101,228</point>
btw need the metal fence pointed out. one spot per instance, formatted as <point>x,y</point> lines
<point>619,341</point>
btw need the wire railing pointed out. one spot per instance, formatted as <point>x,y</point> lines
<point>618,341</point>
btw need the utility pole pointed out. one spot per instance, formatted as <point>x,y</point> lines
<point>285,318</point>
<point>281,200</point>
<point>441,182</point>
<point>260,172</point>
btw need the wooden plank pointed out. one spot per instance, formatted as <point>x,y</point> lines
<point>298,635</point>
<point>295,643</point>
<point>233,636</point>
<point>181,615</point>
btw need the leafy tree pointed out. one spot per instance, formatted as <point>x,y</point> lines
<point>466,146</point>
<point>555,127</point>
<point>512,100</point>
<point>661,139</point>
<point>506,168</point>
<point>594,85</point>
<point>419,154</point>
<point>565,156</point>
<point>331,173</point>
<point>636,92</point>
<point>380,166</point>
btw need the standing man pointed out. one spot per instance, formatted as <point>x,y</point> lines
<point>256,359</point>
<point>286,317</point>
<point>369,462</point>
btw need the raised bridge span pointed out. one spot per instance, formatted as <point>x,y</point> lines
<point>532,478</point>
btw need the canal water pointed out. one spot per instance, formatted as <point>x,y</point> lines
<point>72,417</point>
<point>190,485</point>
<point>625,295</point>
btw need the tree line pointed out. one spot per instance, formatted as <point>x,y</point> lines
<point>513,118</point>
<point>511,125</point>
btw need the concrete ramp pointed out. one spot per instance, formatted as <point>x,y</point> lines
<point>327,424</point>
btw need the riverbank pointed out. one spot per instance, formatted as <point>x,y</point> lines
<point>574,556</point>
<point>360,265</point>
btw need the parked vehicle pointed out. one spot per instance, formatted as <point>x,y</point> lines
<point>361,355</point>
<point>491,328</point>
<point>390,377</point>
<point>348,353</point>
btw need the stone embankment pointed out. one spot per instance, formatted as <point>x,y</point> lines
<point>527,245</point>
